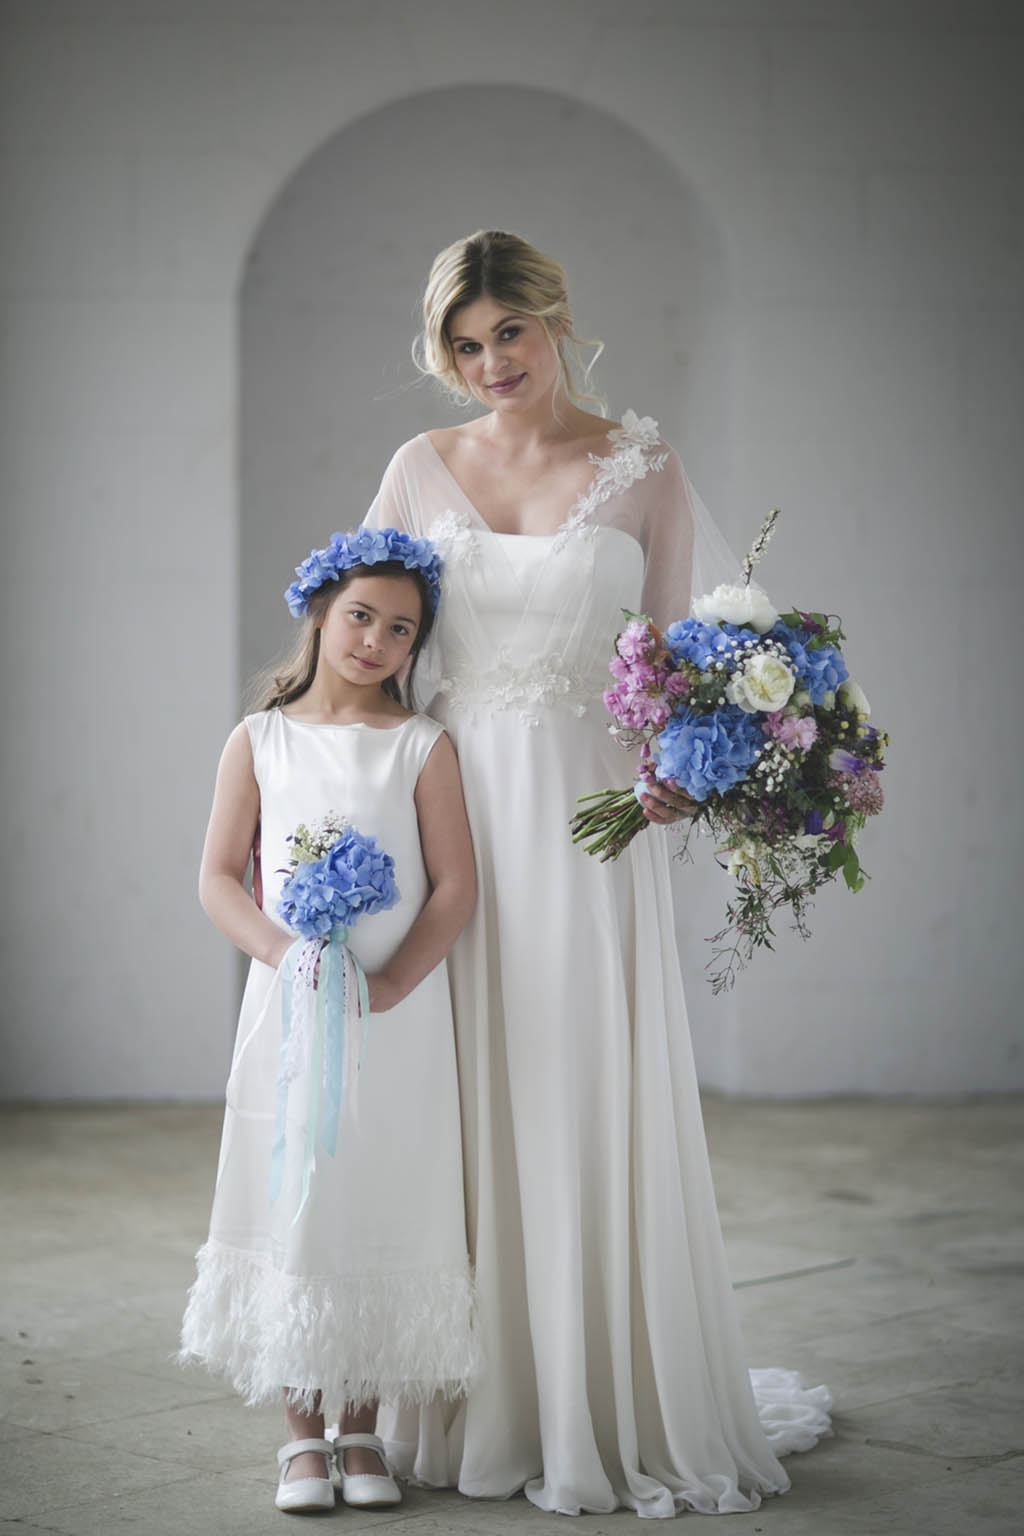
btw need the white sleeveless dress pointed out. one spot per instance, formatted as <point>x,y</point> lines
<point>368,1294</point>
<point>614,1370</point>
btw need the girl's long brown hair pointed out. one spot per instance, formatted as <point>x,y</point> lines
<point>291,678</point>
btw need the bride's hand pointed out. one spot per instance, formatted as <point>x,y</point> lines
<point>664,803</point>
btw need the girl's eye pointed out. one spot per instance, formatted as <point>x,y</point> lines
<point>401,629</point>
<point>358,613</point>
<point>468,347</point>
<point>510,333</point>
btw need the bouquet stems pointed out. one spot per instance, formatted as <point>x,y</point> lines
<point>612,820</point>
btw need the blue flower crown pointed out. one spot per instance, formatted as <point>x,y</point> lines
<point>366,546</point>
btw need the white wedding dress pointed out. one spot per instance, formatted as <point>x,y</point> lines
<point>614,1370</point>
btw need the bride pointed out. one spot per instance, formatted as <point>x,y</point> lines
<point>615,1372</point>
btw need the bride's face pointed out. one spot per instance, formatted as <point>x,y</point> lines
<point>506,359</point>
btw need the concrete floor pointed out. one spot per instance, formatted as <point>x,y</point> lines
<point>876,1246</point>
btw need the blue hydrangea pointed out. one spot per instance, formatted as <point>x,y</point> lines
<point>703,644</point>
<point>354,879</point>
<point>819,669</point>
<point>366,546</point>
<point>703,753</point>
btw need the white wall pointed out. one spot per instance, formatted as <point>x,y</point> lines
<point>858,165</point>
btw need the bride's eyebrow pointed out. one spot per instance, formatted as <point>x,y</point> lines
<point>501,323</point>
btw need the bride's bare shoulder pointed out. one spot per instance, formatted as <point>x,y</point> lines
<point>447,440</point>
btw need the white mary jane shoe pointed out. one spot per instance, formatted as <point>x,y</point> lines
<point>303,1495</point>
<point>365,1489</point>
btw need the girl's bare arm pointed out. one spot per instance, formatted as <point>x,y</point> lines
<point>226,853</point>
<point>451,870</point>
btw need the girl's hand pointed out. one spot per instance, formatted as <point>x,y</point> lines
<point>665,803</point>
<point>281,948</point>
<point>384,994</point>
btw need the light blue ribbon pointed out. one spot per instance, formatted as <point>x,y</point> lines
<point>288,965</point>
<point>327,1077</point>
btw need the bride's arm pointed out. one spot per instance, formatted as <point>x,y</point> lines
<point>667,535</point>
<point>393,505</point>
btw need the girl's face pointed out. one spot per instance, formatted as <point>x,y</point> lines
<point>506,359</point>
<point>370,628</point>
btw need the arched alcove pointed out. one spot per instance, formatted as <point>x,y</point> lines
<point>330,294</point>
<point>329,306</point>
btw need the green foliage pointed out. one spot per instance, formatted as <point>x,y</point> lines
<point>831,628</point>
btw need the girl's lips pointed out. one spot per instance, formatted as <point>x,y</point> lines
<point>506,386</point>
<point>371,666</point>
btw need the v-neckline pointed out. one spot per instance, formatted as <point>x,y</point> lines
<point>496,533</point>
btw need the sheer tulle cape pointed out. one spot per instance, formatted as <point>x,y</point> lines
<point>684,552</point>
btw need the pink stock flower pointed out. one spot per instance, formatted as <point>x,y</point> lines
<point>796,730</point>
<point>636,641</point>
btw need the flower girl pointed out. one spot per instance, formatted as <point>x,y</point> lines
<point>336,1271</point>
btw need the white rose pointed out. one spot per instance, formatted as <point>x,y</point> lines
<point>737,605</point>
<point>764,682</point>
<point>854,697</point>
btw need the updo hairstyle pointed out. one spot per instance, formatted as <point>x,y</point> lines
<point>522,279</point>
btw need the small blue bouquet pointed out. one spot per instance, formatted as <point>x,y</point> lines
<point>336,875</point>
<point>753,714</point>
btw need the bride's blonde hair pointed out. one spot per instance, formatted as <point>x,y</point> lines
<point>509,269</point>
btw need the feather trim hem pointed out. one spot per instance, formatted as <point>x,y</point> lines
<point>355,1339</point>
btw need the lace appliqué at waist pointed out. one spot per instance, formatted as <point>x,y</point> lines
<point>530,689</point>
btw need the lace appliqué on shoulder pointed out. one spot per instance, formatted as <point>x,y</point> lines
<point>454,537</point>
<point>541,684</point>
<point>636,451</point>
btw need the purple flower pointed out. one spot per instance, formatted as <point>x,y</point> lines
<point>842,761</point>
<point>862,792</point>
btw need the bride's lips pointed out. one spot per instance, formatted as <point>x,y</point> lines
<point>506,386</point>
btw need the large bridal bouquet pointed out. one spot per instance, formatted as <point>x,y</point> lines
<point>336,875</point>
<point>754,715</point>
